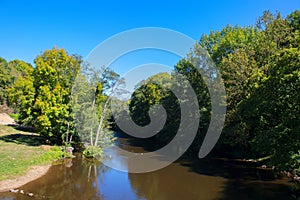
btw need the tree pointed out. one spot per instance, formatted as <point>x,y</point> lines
<point>294,20</point>
<point>220,44</point>
<point>233,51</point>
<point>92,93</point>
<point>273,116</point>
<point>21,92</point>
<point>148,93</point>
<point>55,75</point>
<point>5,79</point>
<point>267,114</point>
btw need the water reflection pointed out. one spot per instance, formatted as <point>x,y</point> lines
<point>79,179</point>
<point>176,182</point>
<point>73,179</point>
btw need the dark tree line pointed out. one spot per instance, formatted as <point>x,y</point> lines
<point>260,67</point>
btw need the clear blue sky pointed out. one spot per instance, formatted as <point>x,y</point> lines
<point>30,27</point>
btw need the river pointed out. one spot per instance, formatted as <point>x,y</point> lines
<point>185,179</point>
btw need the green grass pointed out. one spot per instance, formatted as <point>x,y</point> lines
<point>20,150</point>
<point>15,116</point>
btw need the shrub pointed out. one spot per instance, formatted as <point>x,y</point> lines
<point>295,161</point>
<point>92,152</point>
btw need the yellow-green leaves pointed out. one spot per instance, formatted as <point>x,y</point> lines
<point>54,77</point>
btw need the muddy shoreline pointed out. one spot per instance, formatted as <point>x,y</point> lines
<point>32,174</point>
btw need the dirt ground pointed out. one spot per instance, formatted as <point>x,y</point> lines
<point>32,174</point>
<point>5,119</point>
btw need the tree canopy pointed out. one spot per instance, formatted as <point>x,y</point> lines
<point>259,64</point>
<point>260,68</point>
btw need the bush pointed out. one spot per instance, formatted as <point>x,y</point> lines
<point>295,162</point>
<point>56,153</point>
<point>92,152</point>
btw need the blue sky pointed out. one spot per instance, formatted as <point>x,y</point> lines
<point>30,27</point>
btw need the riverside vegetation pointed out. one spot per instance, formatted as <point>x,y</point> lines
<point>19,150</point>
<point>260,67</point>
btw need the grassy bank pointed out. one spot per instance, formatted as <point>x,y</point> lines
<point>20,150</point>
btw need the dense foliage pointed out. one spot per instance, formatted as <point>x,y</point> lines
<point>260,67</point>
<point>47,96</point>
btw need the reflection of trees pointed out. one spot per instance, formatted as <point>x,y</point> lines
<point>77,182</point>
<point>174,182</point>
<point>189,182</point>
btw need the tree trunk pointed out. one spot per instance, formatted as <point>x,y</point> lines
<point>91,130</point>
<point>101,121</point>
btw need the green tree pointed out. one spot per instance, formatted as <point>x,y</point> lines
<point>54,77</point>
<point>272,110</point>
<point>266,115</point>
<point>91,95</point>
<point>4,78</point>
<point>148,93</point>
<point>233,51</point>
<point>21,92</point>
<point>294,20</point>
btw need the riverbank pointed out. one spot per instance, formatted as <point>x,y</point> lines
<point>31,175</point>
<point>23,157</point>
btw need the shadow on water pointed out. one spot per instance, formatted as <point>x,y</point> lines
<point>184,179</point>
<point>228,169</point>
<point>137,145</point>
<point>258,190</point>
<point>208,179</point>
<point>243,181</point>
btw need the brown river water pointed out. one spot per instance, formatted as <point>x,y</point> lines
<point>185,179</point>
